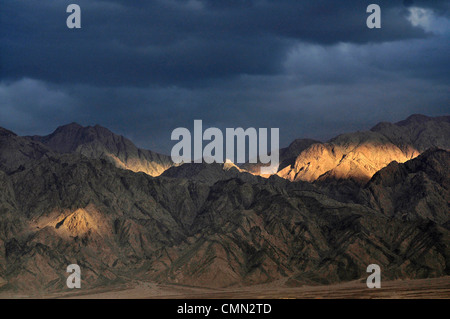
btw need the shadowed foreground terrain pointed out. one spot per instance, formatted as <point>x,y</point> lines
<point>435,288</point>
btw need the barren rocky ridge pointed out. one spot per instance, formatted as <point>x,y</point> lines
<point>359,155</point>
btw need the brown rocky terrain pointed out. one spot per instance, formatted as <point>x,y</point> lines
<point>213,225</point>
<point>417,189</point>
<point>16,151</point>
<point>230,234</point>
<point>208,173</point>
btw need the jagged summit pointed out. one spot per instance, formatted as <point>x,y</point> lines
<point>67,138</point>
<point>99,142</point>
<point>69,126</point>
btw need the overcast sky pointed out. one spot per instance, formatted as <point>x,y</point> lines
<point>143,68</point>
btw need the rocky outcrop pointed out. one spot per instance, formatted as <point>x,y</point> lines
<point>417,189</point>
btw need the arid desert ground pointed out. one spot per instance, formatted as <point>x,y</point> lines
<point>434,288</point>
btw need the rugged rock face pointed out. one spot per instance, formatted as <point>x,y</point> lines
<point>417,189</point>
<point>358,156</point>
<point>99,142</point>
<point>354,156</point>
<point>287,156</point>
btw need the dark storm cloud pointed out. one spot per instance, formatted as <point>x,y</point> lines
<point>143,68</point>
<point>178,42</point>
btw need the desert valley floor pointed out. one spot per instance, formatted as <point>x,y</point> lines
<point>430,288</point>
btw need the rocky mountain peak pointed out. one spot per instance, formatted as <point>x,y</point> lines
<point>99,142</point>
<point>6,133</point>
<point>71,126</point>
<point>67,138</point>
<point>414,119</point>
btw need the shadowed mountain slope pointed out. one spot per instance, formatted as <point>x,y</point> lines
<point>417,132</point>
<point>119,226</point>
<point>16,151</point>
<point>417,189</point>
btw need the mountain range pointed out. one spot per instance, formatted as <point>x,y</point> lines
<point>358,156</point>
<point>85,195</point>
